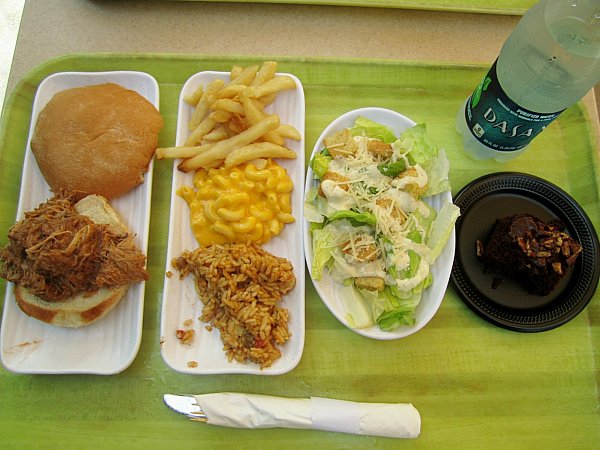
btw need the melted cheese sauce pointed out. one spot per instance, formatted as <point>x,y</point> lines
<point>240,204</point>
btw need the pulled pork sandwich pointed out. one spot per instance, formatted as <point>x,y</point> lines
<point>71,261</point>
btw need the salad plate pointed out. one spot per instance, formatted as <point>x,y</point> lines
<point>338,295</point>
<point>507,304</point>
<point>110,345</point>
<point>181,303</point>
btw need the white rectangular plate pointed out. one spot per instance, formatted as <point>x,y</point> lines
<point>109,345</point>
<point>180,300</point>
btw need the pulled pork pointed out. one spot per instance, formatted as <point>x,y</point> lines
<point>55,252</point>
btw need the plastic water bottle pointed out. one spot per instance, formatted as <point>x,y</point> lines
<point>549,62</point>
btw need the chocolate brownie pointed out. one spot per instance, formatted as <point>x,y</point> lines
<point>534,253</point>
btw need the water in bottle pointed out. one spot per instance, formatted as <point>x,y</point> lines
<point>550,61</point>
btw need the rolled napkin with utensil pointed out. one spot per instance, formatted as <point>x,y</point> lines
<point>395,420</point>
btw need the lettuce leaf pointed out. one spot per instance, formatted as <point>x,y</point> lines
<point>398,311</point>
<point>367,127</point>
<point>355,218</point>
<point>390,311</point>
<point>320,164</point>
<point>322,246</point>
<point>442,228</point>
<point>315,207</point>
<point>355,306</point>
<point>438,170</point>
<point>417,145</point>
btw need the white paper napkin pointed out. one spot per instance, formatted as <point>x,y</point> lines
<point>396,420</point>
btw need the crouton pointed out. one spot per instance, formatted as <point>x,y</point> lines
<point>413,188</point>
<point>337,178</point>
<point>360,251</point>
<point>341,143</point>
<point>370,283</point>
<point>379,148</point>
<point>389,205</point>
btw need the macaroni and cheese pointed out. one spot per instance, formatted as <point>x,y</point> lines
<point>247,203</point>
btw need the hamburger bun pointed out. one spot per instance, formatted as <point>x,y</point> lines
<point>71,313</point>
<point>85,308</point>
<point>96,139</point>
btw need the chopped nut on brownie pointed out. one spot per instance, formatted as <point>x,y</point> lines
<point>534,253</point>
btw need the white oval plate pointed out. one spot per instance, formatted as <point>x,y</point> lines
<point>328,289</point>
<point>180,300</point>
<point>110,345</point>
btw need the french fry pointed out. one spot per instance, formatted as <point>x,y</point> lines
<point>273,138</point>
<point>205,127</point>
<point>246,76</point>
<point>237,124</point>
<point>232,91</point>
<point>229,118</point>
<point>265,73</point>
<point>272,86</point>
<point>205,103</point>
<point>220,116</point>
<point>266,100</point>
<point>253,110</point>
<point>257,150</point>
<point>227,104</point>
<point>217,134</point>
<point>240,79</point>
<point>181,152</point>
<point>288,131</point>
<point>235,71</point>
<point>194,97</point>
<point>254,114</point>
<point>221,149</point>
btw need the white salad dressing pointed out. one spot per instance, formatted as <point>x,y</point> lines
<point>359,269</point>
<point>337,198</point>
<point>399,259</point>
<point>404,200</point>
<point>411,283</point>
<point>420,179</point>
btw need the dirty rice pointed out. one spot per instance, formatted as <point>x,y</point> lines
<point>240,287</point>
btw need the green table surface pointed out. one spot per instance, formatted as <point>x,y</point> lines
<point>512,7</point>
<point>475,385</point>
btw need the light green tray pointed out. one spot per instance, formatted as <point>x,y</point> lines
<point>475,385</point>
<point>510,7</point>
